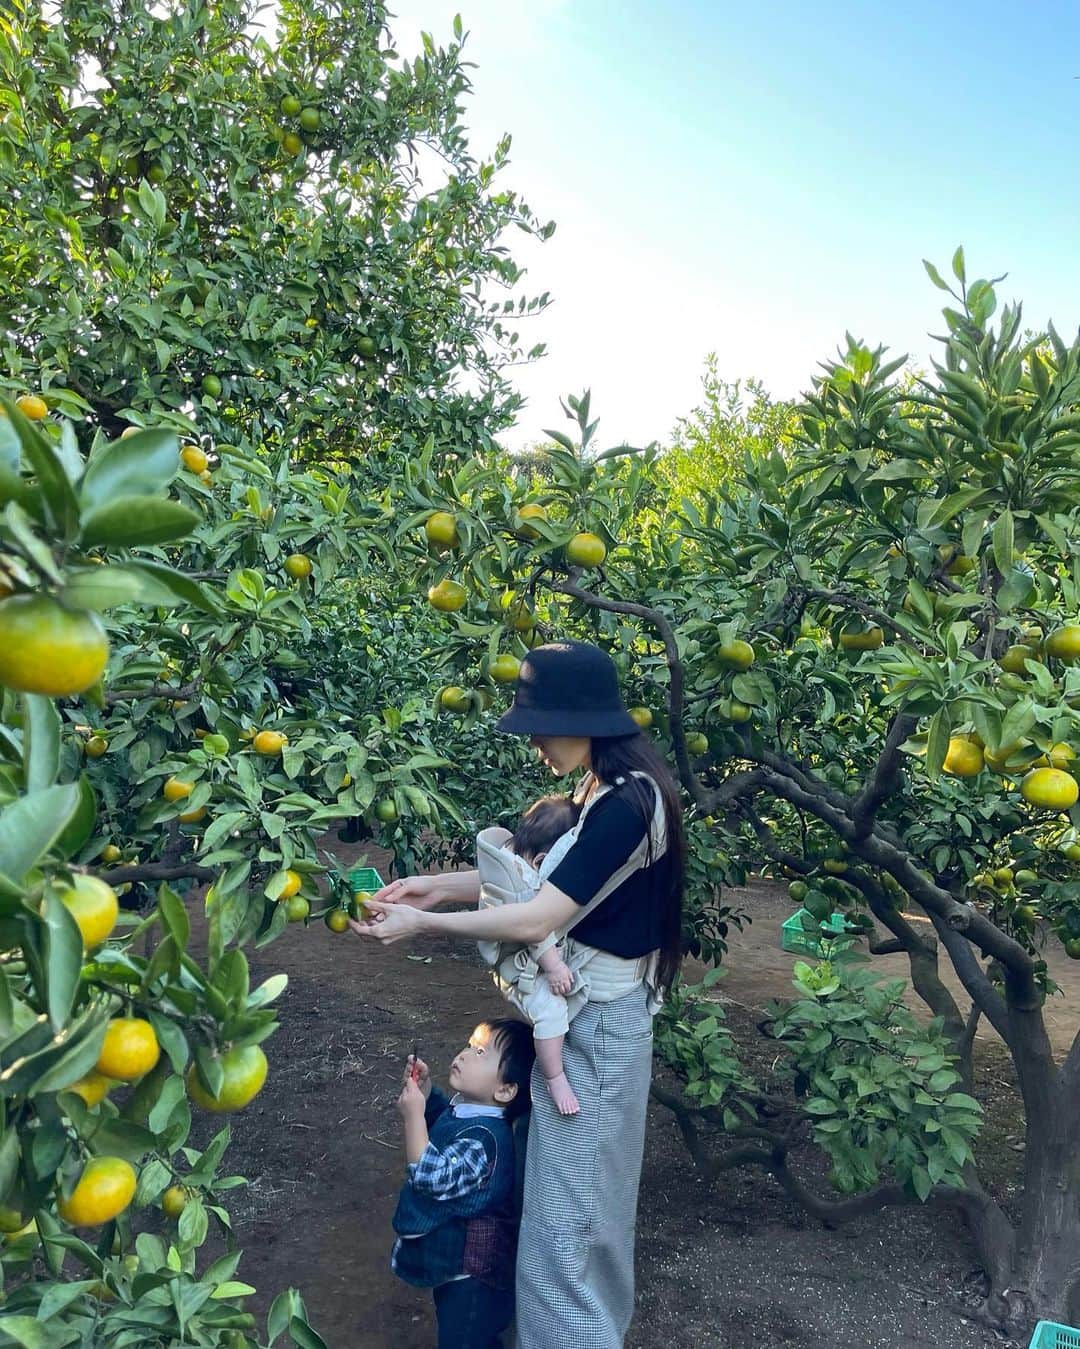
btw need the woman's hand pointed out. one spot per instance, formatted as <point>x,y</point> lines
<point>389,922</point>
<point>419,892</point>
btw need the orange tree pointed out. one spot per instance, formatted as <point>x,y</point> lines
<point>264,311</point>
<point>107,1025</point>
<point>864,656</point>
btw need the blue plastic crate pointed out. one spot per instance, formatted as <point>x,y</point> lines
<point>1049,1335</point>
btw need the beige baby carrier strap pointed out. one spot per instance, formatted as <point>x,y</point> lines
<point>600,976</point>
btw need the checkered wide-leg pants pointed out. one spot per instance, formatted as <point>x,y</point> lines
<point>575,1270</point>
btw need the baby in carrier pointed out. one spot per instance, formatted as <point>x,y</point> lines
<point>536,979</point>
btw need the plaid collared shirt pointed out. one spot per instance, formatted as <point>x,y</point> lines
<point>450,1172</point>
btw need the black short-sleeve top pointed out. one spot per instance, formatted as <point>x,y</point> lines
<point>629,921</point>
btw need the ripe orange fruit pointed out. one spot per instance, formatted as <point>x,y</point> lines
<point>1050,789</point>
<point>32,406</point>
<point>997,759</point>
<point>206,477</point>
<point>518,614</point>
<point>47,648</point>
<point>736,655</point>
<point>358,905</point>
<point>192,816</point>
<point>448,596</point>
<point>96,746</point>
<point>504,669</point>
<point>93,905</point>
<point>441,530</point>
<point>642,716</point>
<point>174,1201</point>
<point>293,882</point>
<point>1064,643</point>
<point>586,550</point>
<point>454,698</point>
<point>532,510</point>
<point>386,811</point>
<point>270,743</point>
<point>129,1050</point>
<point>298,566</point>
<point>297,909</point>
<point>862,639</point>
<point>194,459</point>
<point>175,790</point>
<point>337,920</point>
<point>963,759</point>
<point>1057,756</point>
<point>93,1088</point>
<point>245,1072</point>
<point>105,1188</point>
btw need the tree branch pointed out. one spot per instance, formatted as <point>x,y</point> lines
<point>885,777</point>
<point>157,871</point>
<point>181,693</point>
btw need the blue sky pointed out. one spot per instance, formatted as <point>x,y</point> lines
<point>755,179</point>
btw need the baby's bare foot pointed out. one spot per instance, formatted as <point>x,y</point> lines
<point>560,1091</point>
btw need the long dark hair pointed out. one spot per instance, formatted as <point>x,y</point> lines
<point>620,756</point>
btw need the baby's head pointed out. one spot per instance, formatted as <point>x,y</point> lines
<point>541,824</point>
<point>495,1066</point>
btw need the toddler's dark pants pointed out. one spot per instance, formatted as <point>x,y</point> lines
<point>471,1314</point>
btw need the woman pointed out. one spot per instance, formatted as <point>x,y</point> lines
<point>575,1271</point>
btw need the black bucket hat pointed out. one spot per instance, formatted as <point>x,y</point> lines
<point>567,688</point>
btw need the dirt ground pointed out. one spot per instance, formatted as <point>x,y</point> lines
<point>735,1266</point>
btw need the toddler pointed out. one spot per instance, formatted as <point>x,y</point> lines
<point>456,1217</point>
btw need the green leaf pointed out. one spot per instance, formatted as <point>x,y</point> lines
<point>128,521</point>
<point>304,1336</point>
<point>30,827</point>
<point>41,741</point>
<point>934,275</point>
<point>1003,542</point>
<point>10,1153</point>
<point>140,465</point>
<point>937,742</point>
<point>174,915</point>
<point>18,522</point>
<point>63,959</point>
<point>81,825</point>
<point>958,264</point>
<point>182,587</point>
<point>31,1333</point>
<point>101,588</point>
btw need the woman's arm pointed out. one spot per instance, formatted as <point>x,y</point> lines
<point>429,892</point>
<point>522,924</point>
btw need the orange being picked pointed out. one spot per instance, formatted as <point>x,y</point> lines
<point>245,1072</point>
<point>105,1188</point>
<point>48,648</point>
<point>129,1050</point>
<point>93,905</point>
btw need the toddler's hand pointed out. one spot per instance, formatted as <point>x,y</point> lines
<point>410,1103</point>
<point>560,979</point>
<point>416,1070</point>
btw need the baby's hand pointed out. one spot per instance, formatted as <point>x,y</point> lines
<point>560,979</point>
<point>416,1070</point>
<point>410,1103</point>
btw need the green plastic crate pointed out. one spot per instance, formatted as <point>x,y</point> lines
<point>365,878</point>
<point>1049,1335</point>
<point>802,934</point>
